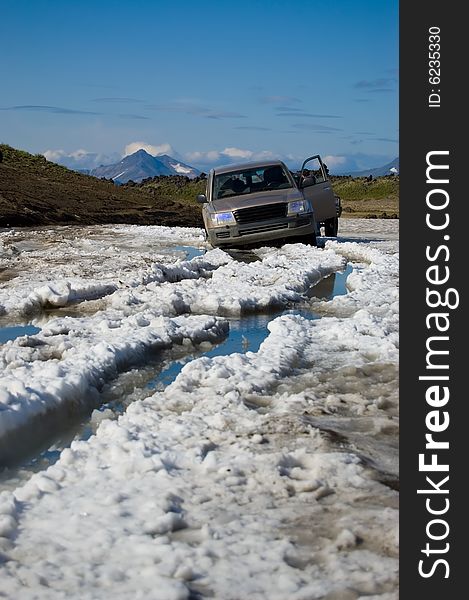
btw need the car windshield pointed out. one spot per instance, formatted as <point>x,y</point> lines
<point>260,179</point>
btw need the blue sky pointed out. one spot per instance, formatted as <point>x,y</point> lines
<point>209,82</point>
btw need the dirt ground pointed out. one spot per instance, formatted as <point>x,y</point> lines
<point>369,208</point>
<point>32,196</point>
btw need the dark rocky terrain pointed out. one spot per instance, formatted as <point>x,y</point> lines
<point>34,191</point>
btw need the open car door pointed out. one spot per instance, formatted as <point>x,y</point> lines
<point>316,188</point>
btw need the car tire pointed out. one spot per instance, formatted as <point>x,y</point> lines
<point>308,240</point>
<point>331,227</point>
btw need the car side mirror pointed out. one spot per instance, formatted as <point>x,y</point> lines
<point>202,199</point>
<point>308,181</point>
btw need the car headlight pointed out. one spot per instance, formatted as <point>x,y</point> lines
<point>222,218</point>
<point>298,206</point>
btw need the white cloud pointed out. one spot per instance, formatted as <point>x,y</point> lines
<point>237,153</point>
<point>150,148</point>
<point>334,162</point>
<point>54,155</point>
<point>204,157</point>
<point>79,154</point>
<point>81,159</point>
<point>229,155</point>
<point>354,162</point>
<point>266,155</point>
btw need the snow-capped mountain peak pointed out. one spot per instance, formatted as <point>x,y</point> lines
<point>140,165</point>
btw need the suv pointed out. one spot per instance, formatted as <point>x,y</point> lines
<point>254,203</point>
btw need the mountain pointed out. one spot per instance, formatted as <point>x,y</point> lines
<point>178,167</point>
<point>378,171</point>
<point>140,165</point>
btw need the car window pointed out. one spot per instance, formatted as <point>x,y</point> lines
<point>238,183</point>
<point>313,168</point>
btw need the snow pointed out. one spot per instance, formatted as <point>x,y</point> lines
<point>70,359</point>
<point>63,265</point>
<point>258,475</point>
<point>180,169</point>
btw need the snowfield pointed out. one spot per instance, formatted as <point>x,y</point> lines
<point>268,474</point>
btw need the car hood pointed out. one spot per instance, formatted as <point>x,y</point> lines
<point>257,199</point>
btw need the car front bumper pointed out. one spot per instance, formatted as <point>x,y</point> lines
<point>262,231</point>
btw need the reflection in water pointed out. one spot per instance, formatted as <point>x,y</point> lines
<point>246,334</point>
<point>190,251</point>
<point>12,332</point>
<point>331,286</point>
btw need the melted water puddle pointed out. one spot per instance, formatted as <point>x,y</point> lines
<point>190,252</point>
<point>14,331</point>
<point>246,334</point>
<point>249,331</point>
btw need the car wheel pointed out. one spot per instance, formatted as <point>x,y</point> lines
<point>331,227</point>
<point>308,240</point>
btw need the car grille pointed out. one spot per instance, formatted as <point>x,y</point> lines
<point>260,213</point>
<point>223,234</point>
<point>261,228</point>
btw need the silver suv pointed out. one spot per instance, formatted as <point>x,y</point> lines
<point>255,203</point>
